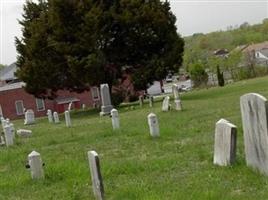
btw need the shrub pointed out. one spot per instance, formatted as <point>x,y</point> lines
<point>117,98</point>
<point>198,74</point>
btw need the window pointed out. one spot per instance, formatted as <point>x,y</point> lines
<point>95,93</point>
<point>40,105</point>
<point>19,107</point>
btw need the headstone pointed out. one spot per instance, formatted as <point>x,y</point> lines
<point>49,116</point>
<point>178,105</point>
<point>141,99</point>
<point>225,143</point>
<point>56,117</point>
<point>70,106</point>
<point>8,136</point>
<point>254,110</point>
<point>175,91</point>
<point>24,133</point>
<point>12,128</point>
<point>115,119</point>
<point>165,105</point>
<point>29,117</point>
<point>151,101</point>
<point>2,141</point>
<point>83,106</point>
<point>106,105</point>
<point>36,165</point>
<point>153,125</point>
<point>67,118</point>
<point>94,165</point>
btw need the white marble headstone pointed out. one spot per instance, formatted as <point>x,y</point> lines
<point>153,125</point>
<point>29,117</point>
<point>225,143</point>
<point>49,116</point>
<point>254,110</point>
<point>56,117</point>
<point>36,165</point>
<point>8,135</point>
<point>97,184</point>
<point>67,118</point>
<point>165,105</point>
<point>115,119</point>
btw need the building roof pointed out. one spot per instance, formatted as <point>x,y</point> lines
<point>12,86</point>
<point>8,73</point>
<point>256,47</point>
<point>64,100</point>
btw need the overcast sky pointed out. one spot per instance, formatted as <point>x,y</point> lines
<point>192,17</point>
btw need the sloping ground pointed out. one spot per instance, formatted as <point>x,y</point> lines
<point>178,165</point>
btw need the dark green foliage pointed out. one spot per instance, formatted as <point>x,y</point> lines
<point>117,98</point>
<point>220,77</point>
<point>198,74</point>
<point>77,44</point>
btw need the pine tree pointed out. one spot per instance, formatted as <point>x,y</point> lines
<point>76,44</point>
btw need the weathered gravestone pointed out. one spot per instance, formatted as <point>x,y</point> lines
<point>24,133</point>
<point>141,100</point>
<point>49,116</point>
<point>67,118</point>
<point>106,106</point>
<point>36,165</point>
<point>97,184</point>
<point>178,105</point>
<point>153,125</point>
<point>175,91</point>
<point>83,106</point>
<point>115,119</point>
<point>165,105</point>
<point>151,101</point>
<point>254,110</point>
<point>56,117</point>
<point>225,143</point>
<point>29,117</point>
<point>8,135</point>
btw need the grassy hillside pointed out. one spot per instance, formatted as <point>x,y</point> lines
<point>178,165</point>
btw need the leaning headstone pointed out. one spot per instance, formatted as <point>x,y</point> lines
<point>8,136</point>
<point>225,143</point>
<point>254,110</point>
<point>70,106</point>
<point>67,118</point>
<point>151,101</point>
<point>36,165</point>
<point>165,105</point>
<point>24,133</point>
<point>49,116</point>
<point>56,117</point>
<point>141,100</point>
<point>115,119</point>
<point>153,125</point>
<point>29,117</point>
<point>106,105</point>
<point>97,184</point>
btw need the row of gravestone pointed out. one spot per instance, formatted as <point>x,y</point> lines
<point>254,112</point>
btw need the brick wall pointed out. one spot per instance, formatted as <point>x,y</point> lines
<point>9,97</point>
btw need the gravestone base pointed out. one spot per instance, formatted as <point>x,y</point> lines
<point>106,110</point>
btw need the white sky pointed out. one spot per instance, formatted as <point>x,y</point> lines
<point>193,16</point>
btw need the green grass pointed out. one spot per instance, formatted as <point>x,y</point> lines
<point>178,165</point>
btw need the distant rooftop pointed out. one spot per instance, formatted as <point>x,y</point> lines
<point>12,86</point>
<point>8,73</point>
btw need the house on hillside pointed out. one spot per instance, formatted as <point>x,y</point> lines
<point>14,99</point>
<point>257,53</point>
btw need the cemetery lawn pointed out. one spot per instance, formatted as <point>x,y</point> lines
<point>178,165</point>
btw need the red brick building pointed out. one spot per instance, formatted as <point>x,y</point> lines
<point>14,100</point>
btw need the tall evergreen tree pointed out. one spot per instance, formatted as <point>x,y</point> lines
<point>75,44</point>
